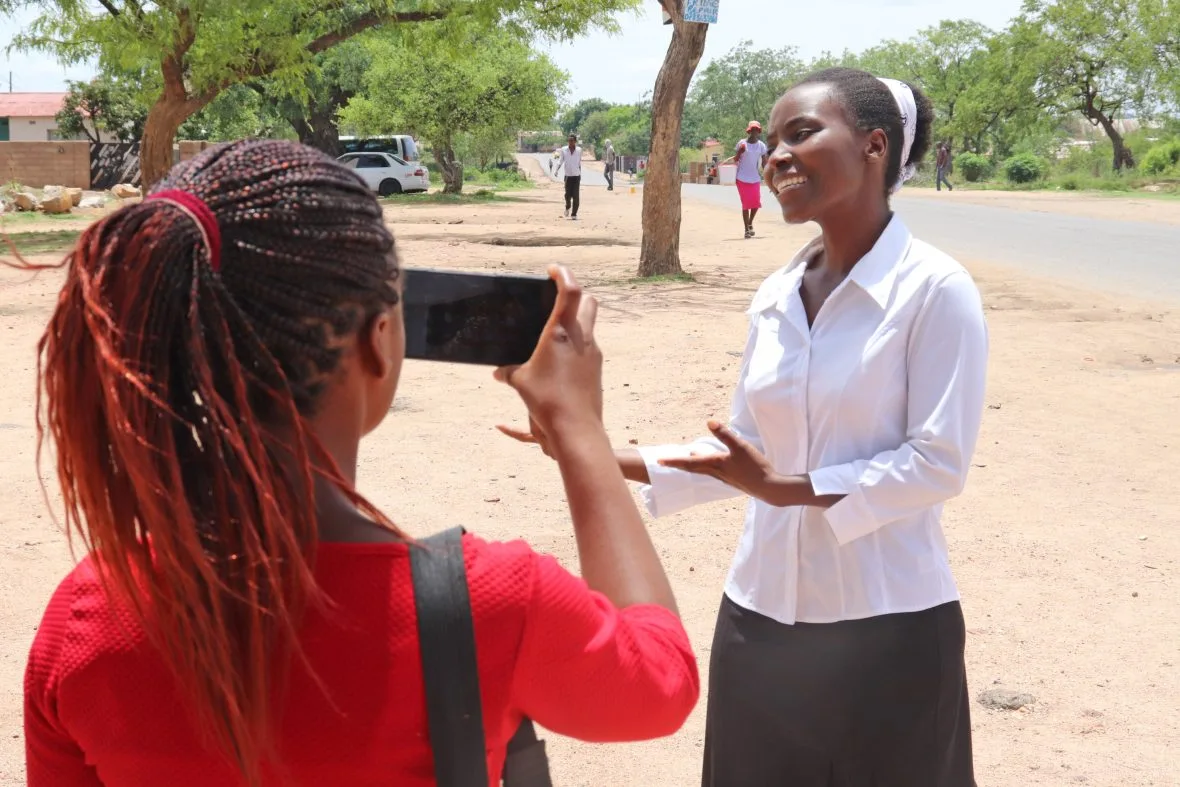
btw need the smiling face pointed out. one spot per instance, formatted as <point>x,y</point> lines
<point>820,163</point>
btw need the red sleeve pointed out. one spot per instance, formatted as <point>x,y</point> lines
<point>597,673</point>
<point>52,756</point>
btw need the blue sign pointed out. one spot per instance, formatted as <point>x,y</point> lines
<point>704,11</point>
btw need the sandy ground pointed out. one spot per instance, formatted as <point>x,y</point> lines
<point>1065,543</point>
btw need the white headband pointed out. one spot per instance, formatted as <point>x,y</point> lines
<point>904,97</point>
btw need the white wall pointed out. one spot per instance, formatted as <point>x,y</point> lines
<point>30,129</point>
<point>36,129</point>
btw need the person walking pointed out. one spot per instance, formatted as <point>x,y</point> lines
<point>942,165</point>
<point>838,654</point>
<point>608,165</point>
<point>571,162</point>
<point>750,156</point>
<point>245,617</point>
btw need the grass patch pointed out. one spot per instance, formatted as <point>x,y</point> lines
<point>438,198</point>
<point>30,243</point>
<point>26,216</point>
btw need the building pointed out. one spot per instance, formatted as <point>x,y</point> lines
<point>29,117</point>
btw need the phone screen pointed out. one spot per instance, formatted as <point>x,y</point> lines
<point>477,318</point>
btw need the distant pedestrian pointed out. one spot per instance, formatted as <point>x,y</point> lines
<point>608,169</point>
<point>750,155</point>
<point>942,164</point>
<point>571,161</point>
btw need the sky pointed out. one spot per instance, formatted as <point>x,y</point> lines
<point>622,67</point>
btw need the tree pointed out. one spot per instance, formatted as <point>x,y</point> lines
<point>337,77</point>
<point>106,104</point>
<point>572,119</point>
<point>203,47</point>
<point>239,112</point>
<point>440,94</point>
<point>659,252</point>
<point>743,85</point>
<point>1092,57</point>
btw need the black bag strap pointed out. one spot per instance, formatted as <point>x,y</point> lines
<point>446,639</point>
<point>446,636</point>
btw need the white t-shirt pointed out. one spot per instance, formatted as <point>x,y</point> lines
<point>571,160</point>
<point>748,164</point>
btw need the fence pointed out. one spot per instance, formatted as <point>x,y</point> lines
<point>41,164</point>
<point>112,163</point>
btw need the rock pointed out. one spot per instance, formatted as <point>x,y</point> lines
<point>52,191</point>
<point>93,201</point>
<point>1004,699</point>
<point>25,200</point>
<point>75,196</point>
<point>61,203</point>
<point>125,191</point>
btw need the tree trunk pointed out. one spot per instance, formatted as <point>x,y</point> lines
<point>159,133</point>
<point>452,170</point>
<point>318,130</point>
<point>660,249</point>
<point>1123,157</point>
<point>316,126</point>
<point>173,106</point>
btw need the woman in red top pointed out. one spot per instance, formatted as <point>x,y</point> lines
<point>244,616</point>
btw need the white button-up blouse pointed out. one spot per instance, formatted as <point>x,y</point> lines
<point>880,400</point>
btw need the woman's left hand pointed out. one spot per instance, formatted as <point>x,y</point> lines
<point>743,467</point>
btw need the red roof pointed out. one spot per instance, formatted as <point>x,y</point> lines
<point>31,105</point>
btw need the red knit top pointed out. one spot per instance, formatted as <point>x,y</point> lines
<point>101,707</point>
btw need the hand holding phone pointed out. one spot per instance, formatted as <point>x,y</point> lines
<point>476,318</point>
<point>561,384</point>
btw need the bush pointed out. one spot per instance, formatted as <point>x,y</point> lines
<point>689,155</point>
<point>1163,159</point>
<point>1024,168</point>
<point>973,167</point>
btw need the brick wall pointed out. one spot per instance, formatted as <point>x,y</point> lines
<point>39,164</point>
<point>190,148</point>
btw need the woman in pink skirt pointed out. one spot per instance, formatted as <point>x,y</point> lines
<point>750,156</point>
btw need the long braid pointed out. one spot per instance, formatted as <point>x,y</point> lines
<point>177,396</point>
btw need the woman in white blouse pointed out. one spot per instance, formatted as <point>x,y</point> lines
<point>838,653</point>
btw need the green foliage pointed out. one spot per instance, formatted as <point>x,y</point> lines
<point>110,103</point>
<point>1163,159</point>
<point>420,87</point>
<point>741,86</point>
<point>573,119</point>
<point>1092,57</point>
<point>238,112</point>
<point>1024,168</point>
<point>198,49</point>
<point>973,166</point>
<point>688,156</point>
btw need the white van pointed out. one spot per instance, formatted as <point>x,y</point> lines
<point>400,145</point>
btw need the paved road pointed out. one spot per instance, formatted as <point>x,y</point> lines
<point>1140,259</point>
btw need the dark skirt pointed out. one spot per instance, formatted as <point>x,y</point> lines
<point>879,702</point>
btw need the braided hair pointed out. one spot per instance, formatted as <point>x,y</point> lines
<point>869,105</point>
<point>177,396</point>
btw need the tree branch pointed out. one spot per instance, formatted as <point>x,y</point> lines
<point>369,20</point>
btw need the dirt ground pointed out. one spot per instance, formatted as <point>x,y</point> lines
<point>1065,543</point>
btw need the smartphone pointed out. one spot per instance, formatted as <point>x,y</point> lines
<point>477,318</point>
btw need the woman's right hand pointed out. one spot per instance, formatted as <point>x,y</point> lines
<point>561,384</point>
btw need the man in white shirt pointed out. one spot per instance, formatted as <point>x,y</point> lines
<point>571,161</point>
<point>608,161</point>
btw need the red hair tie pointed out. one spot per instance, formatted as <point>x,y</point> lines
<point>196,209</point>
